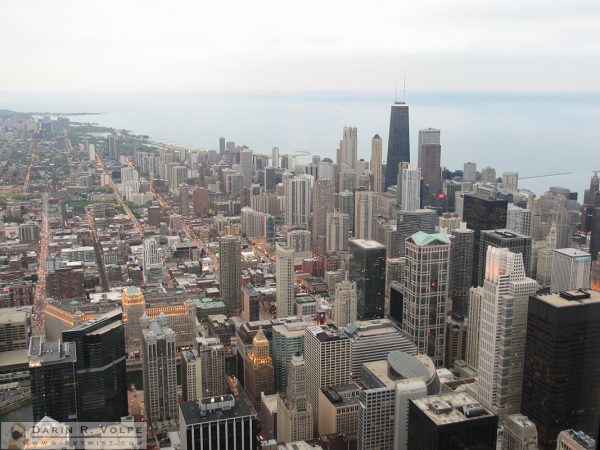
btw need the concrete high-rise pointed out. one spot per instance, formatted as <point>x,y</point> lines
<point>470,172</point>
<point>294,411</point>
<point>337,231</point>
<point>212,356</point>
<point>516,243</point>
<point>296,201</point>
<point>365,214</point>
<point>230,272</point>
<point>348,148</point>
<point>461,265</point>
<point>519,433</point>
<point>344,309</point>
<point>427,260</point>
<point>323,204</point>
<point>184,193</point>
<point>475,300</point>
<point>506,290</point>
<point>259,375</point>
<point>398,143</point>
<point>376,163</point>
<point>544,259</point>
<point>561,380</point>
<point>100,368</point>
<point>191,375</point>
<point>518,220</point>
<point>574,440</point>
<point>409,188</point>
<point>159,369</point>
<point>284,274</point>
<point>327,356</point>
<point>367,269</point>
<point>429,159</point>
<point>570,270</point>
<point>275,157</point>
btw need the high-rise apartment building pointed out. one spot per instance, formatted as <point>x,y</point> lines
<point>14,329</point>
<point>337,231</point>
<point>561,381</point>
<point>29,232</point>
<point>159,370</point>
<point>113,147</point>
<point>510,181</point>
<point>344,309</point>
<point>212,360</point>
<point>348,148</point>
<point>544,259</point>
<point>506,290</point>
<point>323,204</point>
<point>426,277</point>
<point>367,270</point>
<point>284,274</point>
<point>259,375</point>
<point>516,243</point>
<point>470,172</point>
<point>230,272</point>
<point>52,371</point>
<point>100,368</point>
<point>488,175</point>
<point>409,188</point>
<point>429,159</point>
<point>456,339</point>
<point>294,411</point>
<point>461,266</point>
<point>327,356</point>
<point>376,163</point>
<point>365,214</point>
<point>296,201</point>
<point>246,167</point>
<point>518,220</point>
<point>191,375</point>
<point>519,433</point>
<point>474,326</point>
<point>398,143</point>
<point>570,270</point>
<point>453,420</point>
<point>200,201</point>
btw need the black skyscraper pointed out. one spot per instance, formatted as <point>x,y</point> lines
<point>453,421</point>
<point>461,264</point>
<point>398,142</point>
<point>53,383</point>
<point>367,269</point>
<point>561,376</point>
<point>481,213</point>
<point>100,368</point>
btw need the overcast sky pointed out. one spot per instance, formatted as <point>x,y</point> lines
<point>106,45</point>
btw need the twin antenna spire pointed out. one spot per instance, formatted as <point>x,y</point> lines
<point>403,88</point>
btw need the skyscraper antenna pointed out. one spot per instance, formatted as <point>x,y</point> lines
<point>404,88</point>
<point>396,96</point>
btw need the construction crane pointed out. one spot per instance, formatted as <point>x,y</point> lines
<point>546,175</point>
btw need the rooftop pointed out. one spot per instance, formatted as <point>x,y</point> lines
<point>16,315</point>
<point>573,253</point>
<point>366,244</point>
<point>233,407</point>
<point>422,239</point>
<point>573,298</point>
<point>451,408</point>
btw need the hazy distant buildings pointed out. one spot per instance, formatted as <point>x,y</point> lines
<point>337,229</point>
<point>398,143</point>
<point>323,204</point>
<point>296,203</point>
<point>409,222</point>
<point>470,172</point>
<point>365,214</point>
<point>409,188</point>
<point>429,159</point>
<point>376,163</point>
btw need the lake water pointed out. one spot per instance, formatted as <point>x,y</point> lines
<point>533,134</point>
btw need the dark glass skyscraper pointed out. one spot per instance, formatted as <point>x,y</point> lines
<point>561,376</point>
<point>461,263</point>
<point>482,213</point>
<point>53,383</point>
<point>398,142</point>
<point>367,269</point>
<point>101,368</point>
